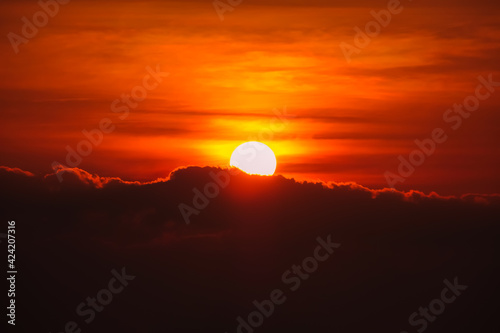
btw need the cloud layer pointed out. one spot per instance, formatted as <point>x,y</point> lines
<point>396,250</point>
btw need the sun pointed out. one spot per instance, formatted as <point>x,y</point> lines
<point>254,158</point>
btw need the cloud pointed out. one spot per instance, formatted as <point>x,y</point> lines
<point>16,171</point>
<point>76,177</point>
<point>155,204</point>
<point>397,247</point>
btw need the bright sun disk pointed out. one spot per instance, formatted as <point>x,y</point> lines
<point>254,158</point>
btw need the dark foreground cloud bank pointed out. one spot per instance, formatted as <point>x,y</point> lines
<point>365,260</point>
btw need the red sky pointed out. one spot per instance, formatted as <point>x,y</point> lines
<point>352,120</point>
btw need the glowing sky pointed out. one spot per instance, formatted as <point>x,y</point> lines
<point>350,120</point>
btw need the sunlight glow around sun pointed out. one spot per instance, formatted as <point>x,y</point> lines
<point>254,158</point>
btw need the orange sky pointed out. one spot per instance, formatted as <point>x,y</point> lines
<point>351,120</point>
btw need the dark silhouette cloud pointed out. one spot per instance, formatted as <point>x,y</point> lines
<point>396,250</point>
